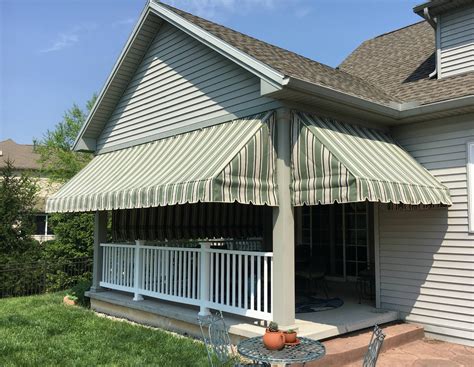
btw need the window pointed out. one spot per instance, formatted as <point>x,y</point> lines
<point>42,229</point>
<point>470,183</point>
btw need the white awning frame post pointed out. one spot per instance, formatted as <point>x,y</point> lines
<point>283,275</point>
<point>100,236</point>
<point>138,266</point>
<point>204,279</point>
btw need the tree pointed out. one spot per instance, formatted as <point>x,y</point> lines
<point>17,199</point>
<point>57,159</point>
<point>74,232</point>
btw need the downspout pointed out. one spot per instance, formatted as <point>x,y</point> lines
<point>433,23</point>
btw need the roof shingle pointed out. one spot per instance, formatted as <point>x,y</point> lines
<point>400,63</point>
<point>289,63</point>
<point>393,67</point>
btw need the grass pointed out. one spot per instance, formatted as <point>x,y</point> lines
<point>41,331</point>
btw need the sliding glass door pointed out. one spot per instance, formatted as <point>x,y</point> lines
<point>335,239</point>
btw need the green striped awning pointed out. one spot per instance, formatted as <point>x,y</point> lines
<point>224,163</point>
<point>338,162</point>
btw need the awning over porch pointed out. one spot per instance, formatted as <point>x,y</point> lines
<point>337,162</point>
<point>224,163</point>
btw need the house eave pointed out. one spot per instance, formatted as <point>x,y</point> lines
<point>78,144</point>
<point>391,114</point>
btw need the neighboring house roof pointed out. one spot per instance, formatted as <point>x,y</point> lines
<point>400,62</point>
<point>289,63</point>
<point>22,155</point>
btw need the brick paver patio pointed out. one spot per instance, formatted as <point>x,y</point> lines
<point>426,353</point>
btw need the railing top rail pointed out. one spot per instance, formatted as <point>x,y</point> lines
<point>117,244</point>
<point>191,249</point>
<point>169,248</point>
<point>252,253</point>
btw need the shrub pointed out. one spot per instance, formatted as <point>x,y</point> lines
<point>77,293</point>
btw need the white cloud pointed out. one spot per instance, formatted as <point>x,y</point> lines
<point>125,21</point>
<point>302,12</point>
<point>63,40</point>
<point>69,38</point>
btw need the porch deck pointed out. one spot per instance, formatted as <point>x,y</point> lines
<point>183,318</point>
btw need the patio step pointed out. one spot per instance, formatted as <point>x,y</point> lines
<point>352,347</point>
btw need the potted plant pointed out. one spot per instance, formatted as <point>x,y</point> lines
<point>290,336</point>
<point>70,300</point>
<point>273,338</point>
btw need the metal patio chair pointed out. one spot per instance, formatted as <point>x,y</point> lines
<point>220,350</point>
<point>375,346</point>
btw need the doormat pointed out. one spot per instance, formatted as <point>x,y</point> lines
<point>313,304</point>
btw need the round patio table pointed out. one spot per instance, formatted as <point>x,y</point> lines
<point>307,350</point>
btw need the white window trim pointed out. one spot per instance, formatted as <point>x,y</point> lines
<point>470,185</point>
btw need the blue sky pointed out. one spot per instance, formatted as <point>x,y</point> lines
<point>54,52</point>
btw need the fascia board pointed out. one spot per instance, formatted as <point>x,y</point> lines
<point>111,76</point>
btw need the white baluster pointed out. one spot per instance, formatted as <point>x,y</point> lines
<point>180,274</point>
<point>239,285</point>
<point>187,274</point>
<point>233,280</point>
<point>265,284</point>
<point>246,281</point>
<point>194,276</point>
<point>211,276</point>
<point>222,279</point>
<point>259,284</point>
<point>227,278</point>
<point>252,283</point>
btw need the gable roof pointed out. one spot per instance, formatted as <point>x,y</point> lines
<point>387,75</point>
<point>400,62</point>
<point>22,155</point>
<point>289,63</point>
<point>261,58</point>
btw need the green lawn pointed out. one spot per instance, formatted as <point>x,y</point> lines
<point>41,331</point>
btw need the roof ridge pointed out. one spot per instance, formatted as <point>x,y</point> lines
<point>14,142</point>
<point>396,30</point>
<point>246,35</point>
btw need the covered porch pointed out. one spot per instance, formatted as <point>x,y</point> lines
<point>175,251</point>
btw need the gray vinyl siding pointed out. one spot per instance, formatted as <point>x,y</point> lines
<point>456,42</point>
<point>427,255</point>
<point>180,85</point>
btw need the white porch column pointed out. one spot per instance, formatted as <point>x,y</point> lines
<point>283,301</point>
<point>204,279</point>
<point>138,268</point>
<point>100,236</point>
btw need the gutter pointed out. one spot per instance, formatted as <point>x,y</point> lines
<point>395,111</point>
<point>451,104</point>
<point>392,110</point>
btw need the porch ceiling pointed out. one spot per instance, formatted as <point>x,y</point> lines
<point>337,162</point>
<point>223,163</point>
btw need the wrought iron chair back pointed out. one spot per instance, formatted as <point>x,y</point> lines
<point>220,351</point>
<point>216,338</point>
<point>375,346</point>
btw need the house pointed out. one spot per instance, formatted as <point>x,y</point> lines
<point>244,177</point>
<point>25,159</point>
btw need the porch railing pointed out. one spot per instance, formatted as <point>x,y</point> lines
<point>238,282</point>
